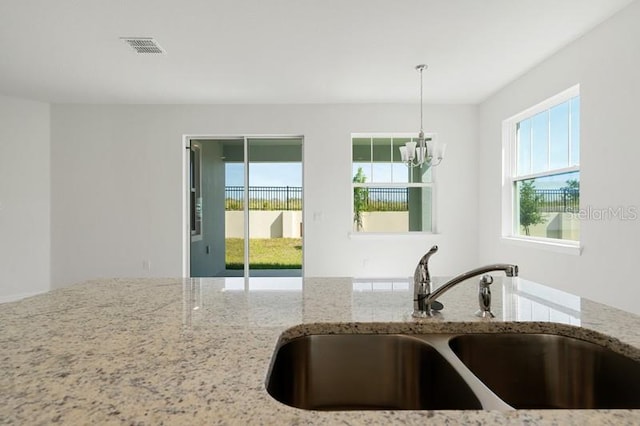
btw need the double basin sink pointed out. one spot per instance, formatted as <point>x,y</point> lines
<point>459,371</point>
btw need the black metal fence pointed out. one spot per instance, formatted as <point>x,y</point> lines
<point>264,197</point>
<point>562,200</point>
<point>385,199</point>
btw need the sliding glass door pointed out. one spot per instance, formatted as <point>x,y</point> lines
<point>275,206</point>
<point>246,206</point>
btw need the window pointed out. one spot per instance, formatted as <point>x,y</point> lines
<point>388,196</point>
<point>542,185</point>
<point>196,193</point>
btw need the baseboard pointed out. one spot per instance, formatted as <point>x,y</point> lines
<point>16,297</point>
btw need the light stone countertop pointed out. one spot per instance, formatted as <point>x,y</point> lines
<point>174,351</point>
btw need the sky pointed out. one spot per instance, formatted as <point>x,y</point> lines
<point>544,139</point>
<point>264,174</point>
<point>550,140</point>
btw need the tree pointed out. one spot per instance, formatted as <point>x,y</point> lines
<point>529,206</point>
<point>573,184</point>
<point>360,198</point>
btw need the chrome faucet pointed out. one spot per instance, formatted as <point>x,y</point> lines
<point>422,282</point>
<point>424,297</point>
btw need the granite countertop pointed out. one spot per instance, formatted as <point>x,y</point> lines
<point>196,351</point>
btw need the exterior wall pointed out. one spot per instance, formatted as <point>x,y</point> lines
<point>264,224</point>
<point>385,221</point>
<point>557,225</point>
<point>207,254</point>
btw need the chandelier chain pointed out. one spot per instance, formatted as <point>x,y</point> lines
<point>421,103</point>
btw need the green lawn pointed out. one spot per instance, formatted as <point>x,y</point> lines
<point>265,253</point>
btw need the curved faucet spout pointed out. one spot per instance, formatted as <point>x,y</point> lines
<point>509,270</point>
<point>424,298</point>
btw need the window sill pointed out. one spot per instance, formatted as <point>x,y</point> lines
<point>563,247</point>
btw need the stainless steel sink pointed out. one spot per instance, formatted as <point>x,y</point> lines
<point>491,371</point>
<point>538,371</point>
<point>366,372</point>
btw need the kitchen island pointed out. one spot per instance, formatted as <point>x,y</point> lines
<point>197,351</point>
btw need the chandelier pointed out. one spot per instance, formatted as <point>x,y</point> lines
<point>418,152</point>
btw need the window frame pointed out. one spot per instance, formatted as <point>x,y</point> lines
<point>432,184</point>
<point>509,223</point>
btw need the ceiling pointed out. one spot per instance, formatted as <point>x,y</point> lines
<point>281,51</point>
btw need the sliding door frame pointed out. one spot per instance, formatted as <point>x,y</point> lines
<point>186,196</point>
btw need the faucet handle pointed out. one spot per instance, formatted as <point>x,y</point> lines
<point>484,297</point>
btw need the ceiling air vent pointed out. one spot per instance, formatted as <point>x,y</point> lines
<point>143,44</point>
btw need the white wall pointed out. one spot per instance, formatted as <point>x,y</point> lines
<point>24,198</point>
<point>605,62</point>
<point>117,186</point>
